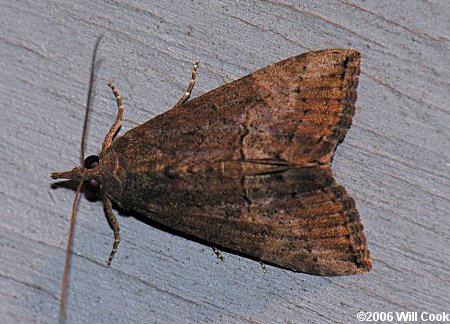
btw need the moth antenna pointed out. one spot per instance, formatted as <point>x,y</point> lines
<point>187,94</point>
<point>115,127</point>
<point>88,102</point>
<point>62,309</point>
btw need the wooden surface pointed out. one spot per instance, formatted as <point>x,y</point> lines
<point>395,160</point>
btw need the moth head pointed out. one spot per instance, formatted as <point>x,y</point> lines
<point>88,174</point>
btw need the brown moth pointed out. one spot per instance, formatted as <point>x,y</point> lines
<point>246,166</point>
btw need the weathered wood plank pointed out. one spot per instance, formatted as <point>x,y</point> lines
<point>394,161</point>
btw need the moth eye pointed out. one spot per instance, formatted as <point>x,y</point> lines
<point>92,185</point>
<point>91,161</point>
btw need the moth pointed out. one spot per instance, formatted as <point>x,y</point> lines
<point>246,167</point>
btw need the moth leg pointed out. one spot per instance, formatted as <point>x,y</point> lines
<point>115,127</point>
<point>187,94</point>
<point>263,266</point>
<point>217,253</point>
<point>115,225</point>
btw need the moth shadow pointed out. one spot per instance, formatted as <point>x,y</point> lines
<point>73,185</point>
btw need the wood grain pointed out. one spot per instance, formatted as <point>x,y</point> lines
<point>394,161</point>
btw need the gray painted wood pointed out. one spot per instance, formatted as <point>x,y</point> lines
<point>395,160</point>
